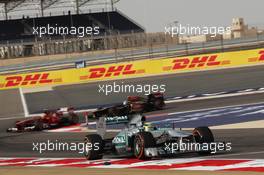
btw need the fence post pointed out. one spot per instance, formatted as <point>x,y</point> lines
<point>222,43</point>
<point>186,48</point>
<point>167,50</point>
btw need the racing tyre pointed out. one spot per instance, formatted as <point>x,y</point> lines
<point>74,119</point>
<point>143,140</point>
<point>38,126</point>
<point>203,135</point>
<point>94,150</point>
<point>159,104</point>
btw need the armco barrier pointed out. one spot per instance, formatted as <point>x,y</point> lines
<point>134,69</point>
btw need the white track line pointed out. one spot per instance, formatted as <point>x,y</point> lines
<point>24,103</point>
<point>236,154</point>
<point>223,107</point>
<point>183,100</point>
<point>167,102</point>
<point>9,118</point>
<point>216,96</point>
<point>197,110</point>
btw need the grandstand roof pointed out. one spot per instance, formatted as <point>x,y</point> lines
<point>42,5</point>
<point>4,1</point>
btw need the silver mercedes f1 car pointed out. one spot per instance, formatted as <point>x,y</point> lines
<point>143,140</point>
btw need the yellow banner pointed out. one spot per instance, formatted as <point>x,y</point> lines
<point>134,69</point>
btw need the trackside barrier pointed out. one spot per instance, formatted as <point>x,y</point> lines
<point>133,69</point>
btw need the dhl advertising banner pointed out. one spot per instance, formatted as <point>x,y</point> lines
<point>134,69</point>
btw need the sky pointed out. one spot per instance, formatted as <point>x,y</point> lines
<point>154,15</point>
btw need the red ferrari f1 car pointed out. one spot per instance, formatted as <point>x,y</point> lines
<point>134,104</point>
<point>50,119</point>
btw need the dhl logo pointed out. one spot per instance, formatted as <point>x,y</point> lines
<point>195,62</point>
<point>31,79</point>
<point>261,57</point>
<point>102,72</point>
<point>183,63</point>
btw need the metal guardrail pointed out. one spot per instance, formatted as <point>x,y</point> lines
<point>144,53</point>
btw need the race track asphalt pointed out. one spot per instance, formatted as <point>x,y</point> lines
<point>81,95</point>
<point>246,143</point>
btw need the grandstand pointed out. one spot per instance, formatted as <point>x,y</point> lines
<point>109,23</point>
<point>117,31</point>
<point>21,17</point>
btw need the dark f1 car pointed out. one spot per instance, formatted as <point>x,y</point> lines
<point>50,119</point>
<point>134,104</point>
<point>142,140</point>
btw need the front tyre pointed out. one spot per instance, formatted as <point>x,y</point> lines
<point>93,147</point>
<point>203,135</point>
<point>142,141</point>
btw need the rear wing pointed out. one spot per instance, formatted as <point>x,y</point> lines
<point>116,120</point>
<point>102,122</point>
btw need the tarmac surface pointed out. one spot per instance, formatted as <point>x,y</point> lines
<point>81,95</point>
<point>246,143</point>
<point>10,103</point>
<point>97,171</point>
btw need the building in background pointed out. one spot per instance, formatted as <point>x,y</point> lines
<point>239,29</point>
<point>199,38</point>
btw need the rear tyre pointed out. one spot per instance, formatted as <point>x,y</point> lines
<point>203,135</point>
<point>39,126</point>
<point>159,104</point>
<point>75,119</point>
<point>93,147</point>
<point>142,141</point>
